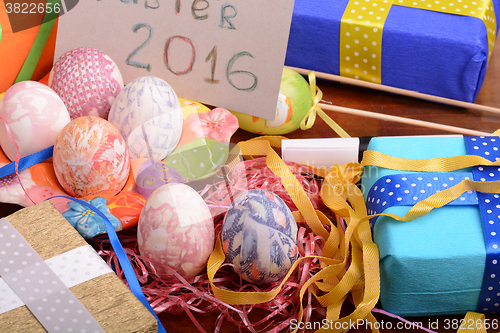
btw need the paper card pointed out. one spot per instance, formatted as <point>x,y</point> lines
<point>320,153</point>
<point>223,53</point>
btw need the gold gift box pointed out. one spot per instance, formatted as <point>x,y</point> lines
<point>106,297</point>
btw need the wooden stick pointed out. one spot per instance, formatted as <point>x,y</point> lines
<point>399,91</point>
<point>421,123</point>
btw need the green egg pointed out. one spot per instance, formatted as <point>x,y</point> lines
<point>198,158</point>
<point>293,103</point>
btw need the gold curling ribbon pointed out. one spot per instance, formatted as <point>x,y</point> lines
<point>310,116</point>
<point>333,283</point>
<point>363,21</point>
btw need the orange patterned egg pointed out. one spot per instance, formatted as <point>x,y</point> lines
<point>90,156</point>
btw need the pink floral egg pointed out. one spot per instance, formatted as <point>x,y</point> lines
<point>176,229</point>
<point>87,80</point>
<point>90,156</point>
<point>34,114</point>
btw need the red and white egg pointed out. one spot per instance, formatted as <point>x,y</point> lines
<point>87,80</point>
<point>176,229</point>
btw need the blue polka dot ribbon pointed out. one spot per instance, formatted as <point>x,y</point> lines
<point>409,188</point>
<point>26,162</point>
<point>489,208</point>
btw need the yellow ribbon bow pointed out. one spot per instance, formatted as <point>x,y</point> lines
<point>310,117</point>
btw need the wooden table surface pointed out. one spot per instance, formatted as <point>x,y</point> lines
<point>386,103</point>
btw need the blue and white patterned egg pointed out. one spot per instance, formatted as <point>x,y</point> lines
<point>259,236</point>
<point>148,114</point>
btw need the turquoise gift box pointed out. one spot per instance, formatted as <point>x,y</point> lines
<point>440,263</point>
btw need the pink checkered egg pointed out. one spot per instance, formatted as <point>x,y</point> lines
<point>176,229</point>
<point>34,114</point>
<point>259,236</point>
<point>87,80</point>
<point>91,157</point>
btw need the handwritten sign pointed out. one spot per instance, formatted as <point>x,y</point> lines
<point>227,53</point>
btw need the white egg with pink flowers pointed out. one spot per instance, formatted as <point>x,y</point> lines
<point>32,115</point>
<point>176,229</point>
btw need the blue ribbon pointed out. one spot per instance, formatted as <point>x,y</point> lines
<point>26,161</point>
<point>410,188</point>
<point>489,208</point>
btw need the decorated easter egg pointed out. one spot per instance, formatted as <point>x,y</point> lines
<point>34,114</point>
<point>259,236</point>
<point>294,101</point>
<point>198,158</point>
<point>149,116</point>
<point>153,174</point>
<point>176,229</point>
<point>90,156</point>
<point>87,80</point>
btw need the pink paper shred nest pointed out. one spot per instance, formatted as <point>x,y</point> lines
<point>253,174</point>
<point>195,296</point>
